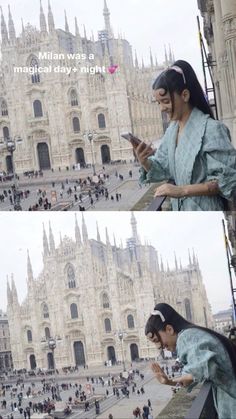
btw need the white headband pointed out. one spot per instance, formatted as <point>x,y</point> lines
<point>158,313</point>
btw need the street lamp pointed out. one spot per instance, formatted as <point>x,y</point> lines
<point>52,344</point>
<point>90,136</point>
<point>10,144</point>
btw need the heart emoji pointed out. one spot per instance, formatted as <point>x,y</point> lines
<point>112,69</point>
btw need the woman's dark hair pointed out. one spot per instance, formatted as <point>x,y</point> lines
<point>155,323</point>
<point>172,81</point>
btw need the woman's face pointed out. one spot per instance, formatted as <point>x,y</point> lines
<point>164,100</point>
<point>166,339</point>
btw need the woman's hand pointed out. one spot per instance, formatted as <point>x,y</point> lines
<point>143,151</point>
<point>160,375</point>
<point>172,191</point>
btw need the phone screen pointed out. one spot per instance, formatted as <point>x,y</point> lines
<point>130,137</point>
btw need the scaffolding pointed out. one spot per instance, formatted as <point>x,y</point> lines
<point>207,66</point>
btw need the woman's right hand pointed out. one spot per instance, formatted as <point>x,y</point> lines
<point>160,375</point>
<point>143,151</point>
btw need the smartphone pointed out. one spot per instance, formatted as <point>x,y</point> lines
<point>130,137</point>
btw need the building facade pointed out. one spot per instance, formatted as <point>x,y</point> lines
<point>220,32</point>
<point>97,298</point>
<point>223,321</point>
<point>54,112</point>
<point>5,348</point>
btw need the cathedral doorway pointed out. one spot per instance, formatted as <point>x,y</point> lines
<point>50,361</point>
<point>79,152</point>
<point>134,351</point>
<point>79,353</point>
<point>43,156</point>
<point>9,164</point>
<point>111,354</point>
<point>33,364</point>
<point>106,156</point>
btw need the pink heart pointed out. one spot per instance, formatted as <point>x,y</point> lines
<point>112,69</point>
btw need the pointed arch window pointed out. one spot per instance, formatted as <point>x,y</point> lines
<point>107,324</point>
<point>45,311</point>
<point>29,336</point>
<point>71,277</point>
<point>74,98</point>
<point>76,124</point>
<point>38,110</point>
<point>47,333</point>
<point>6,133</point>
<point>35,78</point>
<point>74,311</point>
<point>4,109</point>
<point>101,121</point>
<point>188,309</point>
<point>105,301</point>
<point>130,321</point>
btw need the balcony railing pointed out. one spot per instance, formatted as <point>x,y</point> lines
<point>156,204</point>
<point>203,406</point>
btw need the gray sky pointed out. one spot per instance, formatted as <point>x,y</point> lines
<point>168,232</point>
<point>145,23</point>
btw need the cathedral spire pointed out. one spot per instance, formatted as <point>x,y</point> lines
<point>84,230</point>
<point>76,27</point>
<point>45,243</point>
<point>134,228</point>
<point>136,60</point>
<point>77,232</point>
<point>189,258</point>
<point>43,25</point>
<point>11,27</point>
<point>166,58</point>
<point>14,291</point>
<point>9,294</point>
<point>51,239</point>
<point>107,237</point>
<point>114,240</point>
<point>29,268</point>
<point>170,55</point>
<point>151,58</point>
<point>162,266</point>
<point>176,263</point>
<point>98,234</point>
<point>106,14</point>
<point>22,26</point>
<point>67,29</point>
<point>4,32</point>
<point>51,25</point>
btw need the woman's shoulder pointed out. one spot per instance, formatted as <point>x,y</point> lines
<point>195,335</point>
<point>217,128</point>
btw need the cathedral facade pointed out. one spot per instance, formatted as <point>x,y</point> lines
<point>94,299</point>
<point>76,117</point>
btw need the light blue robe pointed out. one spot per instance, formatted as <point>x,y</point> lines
<point>204,356</point>
<point>204,153</point>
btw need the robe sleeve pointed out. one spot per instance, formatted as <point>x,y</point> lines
<point>159,169</point>
<point>201,358</point>
<point>220,159</point>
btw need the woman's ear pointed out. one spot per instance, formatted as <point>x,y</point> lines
<point>170,330</point>
<point>186,95</point>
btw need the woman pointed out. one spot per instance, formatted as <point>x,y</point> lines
<point>196,154</point>
<point>205,354</point>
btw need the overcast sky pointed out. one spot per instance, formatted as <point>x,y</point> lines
<point>168,232</point>
<point>145,23</point>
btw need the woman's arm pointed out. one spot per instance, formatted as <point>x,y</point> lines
<point>202,189</point>
<point>184,380</point>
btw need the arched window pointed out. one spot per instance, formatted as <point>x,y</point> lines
<point>71,277</point>
<point>188,309</point>
<point>29,336</point>
<point>4,109</point>
<point>45,311</point>
<point>35,78</point>
<point>105,301</point>
<point>74,311</point>
<point>130,321</point>
<point>38,110</point>
<point>107,324</point>
<point>76,124</point>
<point>101,121</point>
<point>6,133</point>
<point>73,98</point>
<point>47,333</point>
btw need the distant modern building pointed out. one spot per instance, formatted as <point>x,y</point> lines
<point>5,348</point>
<point>220,32</point>
<point>97,297</point>
<point>223,321</point>
<point>54,112</point>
